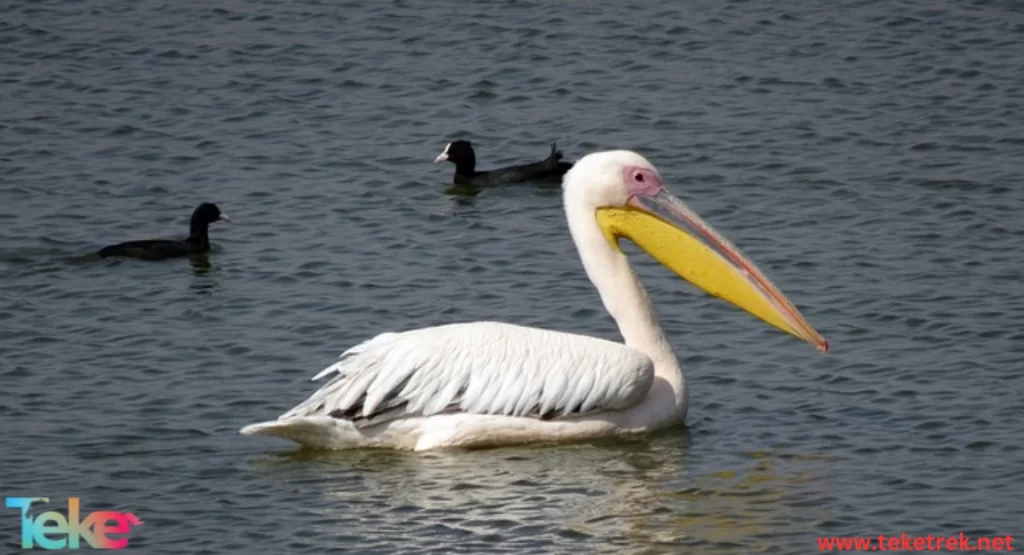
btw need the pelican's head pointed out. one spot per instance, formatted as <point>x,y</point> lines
<point>628,199</point>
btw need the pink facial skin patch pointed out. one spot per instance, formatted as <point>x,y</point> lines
<point>642,182</point>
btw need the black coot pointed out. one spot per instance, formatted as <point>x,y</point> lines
<point>461,154</point>
<point>158,249</point>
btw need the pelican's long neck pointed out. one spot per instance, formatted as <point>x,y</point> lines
<point>622,294</point>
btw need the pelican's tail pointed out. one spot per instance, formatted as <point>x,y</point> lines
<point>318,432</point>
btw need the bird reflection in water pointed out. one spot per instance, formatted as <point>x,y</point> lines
<point>200,264</point>
<point>624,491</point>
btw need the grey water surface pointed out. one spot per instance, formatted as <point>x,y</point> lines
<point>868,156</point>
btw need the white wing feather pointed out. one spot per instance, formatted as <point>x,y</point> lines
<point>479,368</point>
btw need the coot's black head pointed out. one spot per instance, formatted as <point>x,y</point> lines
<point>207,213</point>
<point>459,153</point>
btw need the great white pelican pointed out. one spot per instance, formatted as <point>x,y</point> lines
<point>489,383</point>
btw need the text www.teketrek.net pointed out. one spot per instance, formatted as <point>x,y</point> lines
<point>903,542</point>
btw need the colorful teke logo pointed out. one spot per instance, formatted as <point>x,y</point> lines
<point>51,530</point>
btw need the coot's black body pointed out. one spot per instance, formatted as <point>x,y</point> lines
<point>461,154</point>
<point>198,240</point>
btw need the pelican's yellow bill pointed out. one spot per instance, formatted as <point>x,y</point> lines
<point>683,242</point>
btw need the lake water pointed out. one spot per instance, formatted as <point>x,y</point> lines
<point>868,155</point>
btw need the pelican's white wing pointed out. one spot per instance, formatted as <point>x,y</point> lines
<point>479,368</point>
